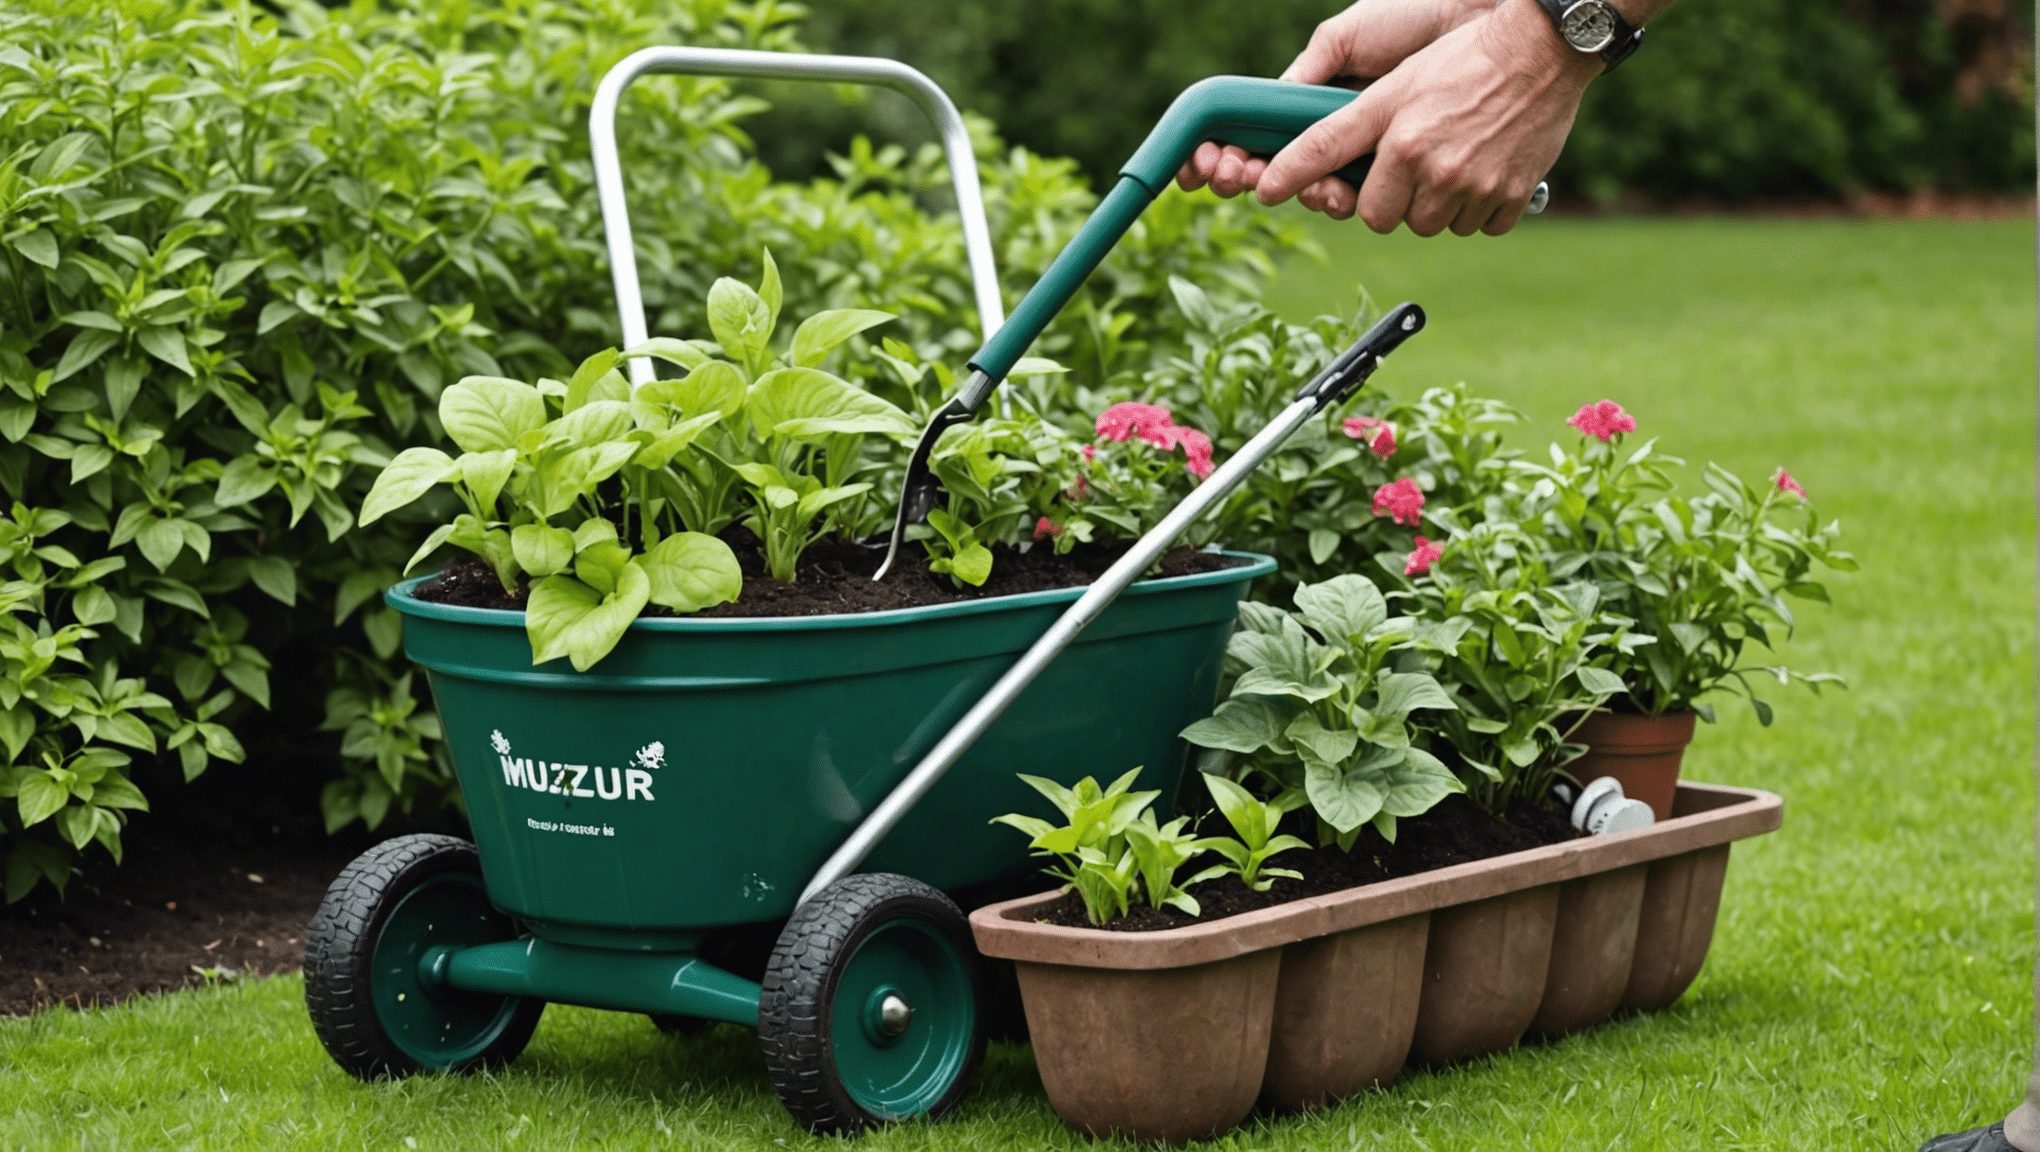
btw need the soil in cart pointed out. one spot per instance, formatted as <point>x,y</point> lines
<point>835,578</point>
<point>1454,832</point>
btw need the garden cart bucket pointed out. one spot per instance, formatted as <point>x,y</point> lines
<point>632,822</point>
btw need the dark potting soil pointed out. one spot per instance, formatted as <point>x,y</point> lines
<point>1454,832</point>
<point>835,578</point>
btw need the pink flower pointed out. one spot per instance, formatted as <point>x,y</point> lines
<point>1196,449</point>
<point>1401,500</point>
<point>1786,483</point>
<point>1380,436</point>
<point>1130,419</point>
<point>1090,453</point>
<point>1603,420</point>
<point>1420,561</point>
<point>1045,527</point>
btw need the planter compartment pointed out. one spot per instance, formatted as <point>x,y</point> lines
<point>1345,1011</point>
<point>1533,938</point>
<point>1170,1054</point>
<point>1484,974</point>
<point>1591,948</point>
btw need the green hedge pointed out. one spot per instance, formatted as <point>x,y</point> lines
<point>1729,98</point>
<point>243,249</point>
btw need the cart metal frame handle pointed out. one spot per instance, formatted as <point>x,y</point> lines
<point>872,71</point>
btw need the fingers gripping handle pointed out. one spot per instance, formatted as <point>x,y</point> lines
<point>1258,115</point>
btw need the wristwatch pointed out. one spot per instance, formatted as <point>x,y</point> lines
<point>1594,26</point>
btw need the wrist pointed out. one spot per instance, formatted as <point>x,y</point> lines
<point>1518,32</point>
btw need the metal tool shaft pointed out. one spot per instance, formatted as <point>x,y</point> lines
<point>1060,635</point>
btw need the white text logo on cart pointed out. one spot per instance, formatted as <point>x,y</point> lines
<point>592,781</point>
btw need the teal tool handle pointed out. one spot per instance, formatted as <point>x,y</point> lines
<point>1260,116</point>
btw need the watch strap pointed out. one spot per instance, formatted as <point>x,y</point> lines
<point>1628,37</point>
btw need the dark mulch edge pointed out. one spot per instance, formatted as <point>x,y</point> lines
<point>1455,832</point>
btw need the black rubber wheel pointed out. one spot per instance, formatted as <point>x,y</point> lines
<point>871,1010</point>
<point>368,1003</point>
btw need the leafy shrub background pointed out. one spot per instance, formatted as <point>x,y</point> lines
<point>242,250</point>
<point>1730,98</point>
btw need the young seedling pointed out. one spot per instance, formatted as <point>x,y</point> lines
<point>1111,841</point>
<point>1254,822</point>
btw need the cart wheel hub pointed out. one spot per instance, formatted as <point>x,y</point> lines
<point>887,1014</point>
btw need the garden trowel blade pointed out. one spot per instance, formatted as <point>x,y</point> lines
<point>919,491</point>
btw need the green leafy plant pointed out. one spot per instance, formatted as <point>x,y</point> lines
<point>1520,655</point>
<point>1323,705</point>
<point>1111,846</point>
<point>1707,574</point>
<point>1253,822</point>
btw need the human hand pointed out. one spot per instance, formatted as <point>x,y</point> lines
<point>1366,40</point>
<point>1462,130</point>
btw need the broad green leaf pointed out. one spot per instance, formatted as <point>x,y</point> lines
<point>822,331</point>
<point>39,797</point>
<point>741,321</point>
<point>813,503</point>
<point>1345,800</point>
<point>592,381</point>
<point>409,476</point>
<point>568,618</point>
<point>17,727</point>
<point>592,531</point>
<point>248,477</point>
<point>1600,681</point>
<point>439,536</point>
<point>541,549</point>
<point>487,413</point>
<point>1401,693</point>
<point>660,449</point>
<point>93,605</point>
<point>1316,742</point>
<point>690,571</point>
<point>971,564</point>
<point>38,245</point>
<point>714,387</point>
<point>485,473</point>
<point>161,540</point>
<point>1415,784</point>
<point>809,404</point>
<point>1344,608</point>
<point>1035,366</point>
<point>1245,724</point>
<point>770,291</point>
<point>166,343</point>
<point>1248,818</point>
<point>275,576</point>
<point>595,423</point>
<point>689,354</point>
<point>601,566</point>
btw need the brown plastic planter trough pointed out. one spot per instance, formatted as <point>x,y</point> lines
<point>1174,1035</point>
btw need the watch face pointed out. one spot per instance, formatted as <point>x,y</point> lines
<point>1588,25</point>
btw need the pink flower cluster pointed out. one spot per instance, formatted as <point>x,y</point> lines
<point>1603,420</point>
<point>1379,434</point>
<point>1400,500</point>
<point>1419,562</point>
<point>1157,426</point>
<point>1786,483</point>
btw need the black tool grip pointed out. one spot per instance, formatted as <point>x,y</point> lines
<point>1351,368</point>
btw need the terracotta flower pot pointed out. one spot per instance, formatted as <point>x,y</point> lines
<point>1171,1035</point>
<point>1643,752</point>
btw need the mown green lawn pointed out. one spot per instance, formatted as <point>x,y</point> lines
<point>1869,980</point>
